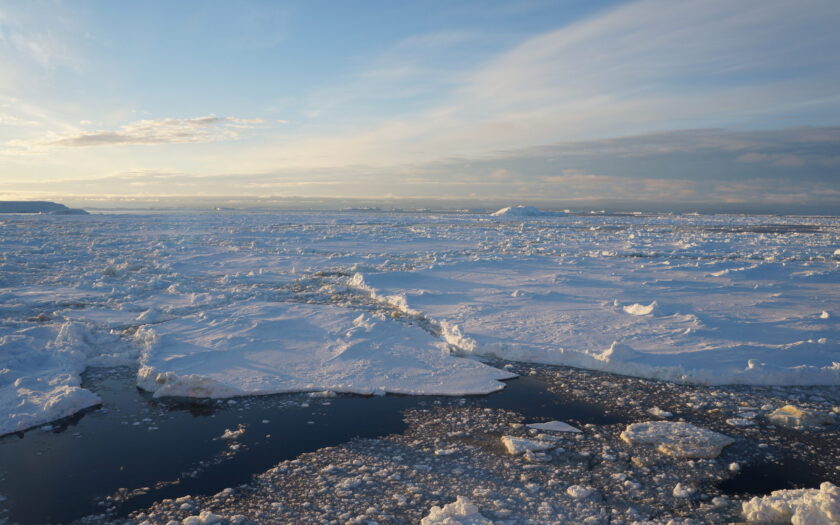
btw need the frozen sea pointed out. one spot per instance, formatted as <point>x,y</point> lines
<point>223,305</point>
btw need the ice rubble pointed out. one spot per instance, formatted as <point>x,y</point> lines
<point>678,439</point>
<point>264,348</point>
<point>460,512</point>
<point>798,507</point>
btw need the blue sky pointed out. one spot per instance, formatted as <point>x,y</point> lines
<point>568,101</point>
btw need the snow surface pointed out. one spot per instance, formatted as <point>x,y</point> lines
<point>264,348</point>
<point>731,299</point>
<point>799,507</point>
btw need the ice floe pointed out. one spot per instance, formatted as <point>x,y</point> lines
<point>795,417</point>
<point>264,348</point>
<point>677,438</point>
<point>519,445</point>
<point>798,507</point>
<point>554,426</point>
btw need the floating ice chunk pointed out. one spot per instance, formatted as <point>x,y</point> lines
<point>460,512</point>
<point>578,492</point>
<point>518,211</point>
<point>518,445</point>
<point>264,348</point>
<point>554,426</point>
<point>658,412</point>
<point>233,434</point>
<point>204,518</point>
<point>640,309</point>
<point>794,417</point>
<point>740,422</point>
<point>798,507</point>
<point>683,491</point>
<point>677,438</point>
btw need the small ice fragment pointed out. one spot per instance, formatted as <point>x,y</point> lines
<point>683,491</point>
<point>578,492</point>
<point>554,426</point>
<point>517,445</point>
<point>233,434</point>
<point>658,412</point>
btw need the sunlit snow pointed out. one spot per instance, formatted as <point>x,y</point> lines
<point>231,304</point>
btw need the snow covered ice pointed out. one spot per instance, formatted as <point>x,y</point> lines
<point>266,348</point>
<point>221,305</point>
<point>798,507</point>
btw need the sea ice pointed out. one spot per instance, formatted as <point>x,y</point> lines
<point>733,299</point>
<point>262,348</point>
<point>521,210</point>
<point>517,445</point>
<point>795,417</point>
<point>40,371</point>
<point>676,438</point>
<point>798,507</point>
<point>554,426</point>
<point>460,512</point>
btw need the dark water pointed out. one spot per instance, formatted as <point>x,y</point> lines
<point>764,478</point>
<point>168,449</point>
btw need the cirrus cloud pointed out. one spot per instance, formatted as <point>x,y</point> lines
<point>163,131</point>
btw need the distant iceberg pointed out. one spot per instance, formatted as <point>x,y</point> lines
<point>51,208</point>
<point>525,211</point>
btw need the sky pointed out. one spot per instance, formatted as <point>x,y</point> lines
<point>566,102</point>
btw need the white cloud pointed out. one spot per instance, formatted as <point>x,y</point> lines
<point>646,66</point>
<point>163,131</point>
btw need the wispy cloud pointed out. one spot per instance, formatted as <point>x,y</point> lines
<point>146,132</point>
<point>645,66</point>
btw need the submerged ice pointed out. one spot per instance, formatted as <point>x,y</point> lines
<point>220,305</point>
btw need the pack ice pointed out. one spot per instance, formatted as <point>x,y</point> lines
<point>238,303</point>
